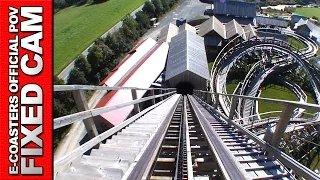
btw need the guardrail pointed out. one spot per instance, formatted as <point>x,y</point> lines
<point>86,113</point>
<point>270,144</point>
<point>60,163</point>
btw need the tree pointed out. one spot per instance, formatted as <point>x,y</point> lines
<point>108,58</point>
<point>119,43</point>
<point>94,78</point>
<point>165,5</point>
<point>103,73</point>
<point>77,77</point>
<point>315,18</point>
<point>130,28</point>
<point>58,109</point>
<point>159,8</point>
<point>65,102</point>
<point>59,4</point>
<point>143,22</point>
<point>98,1</point>
<point>124,44</point>
<point>171,2</point>
<point>95,57</point>
<point>58,81</point>
<point>82,64</point>
<point>149,9</point>
<point>111,42</point>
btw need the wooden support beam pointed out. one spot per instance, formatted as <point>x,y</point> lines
<point>136,108</point>
<point>209,101</point>
<point>282,125</point>
<point>216,102</point>
<point>161,92</point>
<point>82,105</point>
<point>233,107</point>
<point>154,99</point>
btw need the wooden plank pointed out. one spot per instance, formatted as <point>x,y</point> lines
<point>271,176</point>
<point>264,167</point>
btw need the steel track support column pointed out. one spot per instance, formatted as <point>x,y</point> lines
<point>82,105</point>
<point>203,95</point>
<point>136,108</point>
<point>281,126</point>
<point>153,100</point>
<point>161,92</point>
<point>216,102</point>
<point>209,98</point>
<point>233,107</point>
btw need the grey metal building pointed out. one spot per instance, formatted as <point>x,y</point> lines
<point>267,21</point>
<point>227,10</point>
<point>187,66</point>
<point>235,8</point>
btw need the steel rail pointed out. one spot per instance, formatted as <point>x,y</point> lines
<point>226,161</point>
<point>187,139</point>
<point>289,162</point>
<point>269,100</point>
<point>143,166</point>
<point>57,88</point>
<point>72,118</point>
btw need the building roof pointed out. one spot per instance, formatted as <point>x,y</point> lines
<point>187,27</point>
<point>233,28</point>
<point>313,28</point>
<point>148,68</point>
<point>128,62</point>
<point>241,20</point>
<point>168,32</point>
<point>235,8</point>
<point>306,22</point>
<point>212,24</point>
<point>187,53</point>
<point>249,31</point>
<point>271,21</point>
<point>226,31</point>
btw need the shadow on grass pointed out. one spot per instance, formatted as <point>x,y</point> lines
<point>96,2</point>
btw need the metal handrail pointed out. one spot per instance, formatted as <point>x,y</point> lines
<point>91,87</point>
<point>291,163</point>
<point>96,140</point>
<point>269,100</point>
<point>72,118</point>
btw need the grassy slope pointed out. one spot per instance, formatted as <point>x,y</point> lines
<point>309,12</point>
<point>279,92</point>
<point>315,164</point>
<point>275,92</point>
<point>75,28</point>
<point>231,87</point>
<point>210,66</point>
<point>296,43</point>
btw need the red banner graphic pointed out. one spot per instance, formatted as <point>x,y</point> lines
<point>26,90</point>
